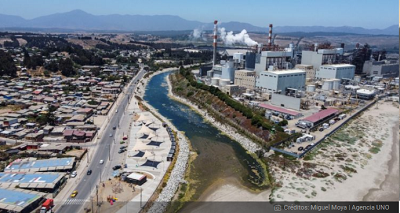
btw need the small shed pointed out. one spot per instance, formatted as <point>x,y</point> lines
<point>136,178</point>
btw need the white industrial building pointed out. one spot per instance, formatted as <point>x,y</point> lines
<point>336,71</point>
<point>274,81</point>
<point>320,57</point>
<point>385,68</point>
<point>224,71</point>
<point>269,60</point>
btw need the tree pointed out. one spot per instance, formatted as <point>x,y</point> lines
<point>283,123</point>
<point>7,66</point>
<point>66,67</point>
<point>52,66</point>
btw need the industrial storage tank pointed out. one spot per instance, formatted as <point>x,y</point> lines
<point>224,82</point>
<point>310,88</point>
<point>215,81</point>
<point>336,84</point>
<point>328,85</point>
<point>357,78</point>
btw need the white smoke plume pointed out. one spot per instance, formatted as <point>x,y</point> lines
<point>241,38</point>
<point>198,33</point>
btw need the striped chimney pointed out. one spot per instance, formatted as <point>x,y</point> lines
<point>270,36</point>
<point>215,43</point>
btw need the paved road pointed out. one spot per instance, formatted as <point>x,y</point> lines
<point>88,182</point>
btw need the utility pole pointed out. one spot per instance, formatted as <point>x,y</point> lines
<point>141,190</point>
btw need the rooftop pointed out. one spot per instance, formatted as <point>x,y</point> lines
<point>279,109</point>
<point>321,115</point>
<point>283,72</point>
<point>338,65</point>
<point>30,180</point>
<point>17,199</point>
<point>33,165</point>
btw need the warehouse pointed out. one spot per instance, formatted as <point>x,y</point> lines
<point>274,81</point>
<point>48,182</point>
<point>19,200</point>
<point>33,165</point>
<point>283,111</point>
<point>320,117</point>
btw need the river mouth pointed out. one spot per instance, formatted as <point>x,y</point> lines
<point>218,157</point>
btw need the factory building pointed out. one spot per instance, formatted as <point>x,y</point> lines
<point>19,200</point>
<point>320,57</point>
<point>309,69</point>
<point>274,81</point>
<point>336,71</point>
<point>270,60</point>
<point>366,94</point>
<point>231,89</point>
<point>385,68</point>
<point>224,71</point>
<point>245,78</point>
<point>250,61</point>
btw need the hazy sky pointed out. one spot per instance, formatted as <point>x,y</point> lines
<point>362,13</point>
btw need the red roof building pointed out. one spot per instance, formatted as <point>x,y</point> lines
<point>321,115</point>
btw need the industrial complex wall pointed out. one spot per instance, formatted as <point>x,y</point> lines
<point>286,101</point>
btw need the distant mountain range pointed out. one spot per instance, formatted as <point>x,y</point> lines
<point>82,21</point>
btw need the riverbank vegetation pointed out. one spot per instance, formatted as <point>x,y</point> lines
<point>227,110</point>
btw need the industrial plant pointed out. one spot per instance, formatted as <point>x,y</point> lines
<point>313,88</point>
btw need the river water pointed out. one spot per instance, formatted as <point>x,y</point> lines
<point>219,157</point>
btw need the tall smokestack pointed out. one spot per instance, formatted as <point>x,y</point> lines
<point>215,43</point>
<point>270,37</point>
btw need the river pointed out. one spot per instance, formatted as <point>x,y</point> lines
<point>219,158</point>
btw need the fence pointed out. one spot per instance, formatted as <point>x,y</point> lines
<point>322,139</point>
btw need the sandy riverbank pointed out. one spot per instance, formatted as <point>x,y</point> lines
<point>360,162</point>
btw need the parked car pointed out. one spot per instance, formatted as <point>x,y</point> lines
<point>121,151</point>
<point>321,129</point>
<point>89,172</point>
<point>116,167</point>
<point>73,174</point>
<point>74,193</point>
<point>122,147</point>
<point>101,161</point>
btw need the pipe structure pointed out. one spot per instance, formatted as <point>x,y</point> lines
<point>270,36</point>
<point>215,43</point>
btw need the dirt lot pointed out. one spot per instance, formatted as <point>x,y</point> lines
<point>124,192</point>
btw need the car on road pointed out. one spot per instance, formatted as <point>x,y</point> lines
<point>116,167</point>
<point>111,135</point>
<point>74,193</point>
<point>114,127</point>
<point>101,161</point>
<point>89,172</point>
<point>321,129</point>
<point>73,174</point>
